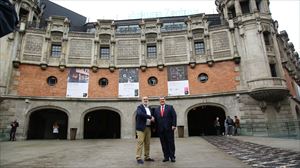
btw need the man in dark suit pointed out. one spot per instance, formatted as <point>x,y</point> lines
<point>143,130</point>
<point>8,18</point>
<point>166,120</point>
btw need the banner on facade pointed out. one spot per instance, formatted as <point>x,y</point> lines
<point>178,83</point>
<point>78,82</point>
<point>129,82</point>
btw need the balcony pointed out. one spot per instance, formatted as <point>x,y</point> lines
<point>268,89</point>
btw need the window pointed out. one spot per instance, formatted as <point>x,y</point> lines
<point>104,53</point>
<point>56,50</point>
<point>103,82</point>
<point>152,81</point>
<point>151,51</point>
<point>203,77</point>
<point>199,48</point>
<point>51,80</point>
<point>231,12</point>
<point>273,70</point>
<point>258,3</point>
<point>245,7</point>
<point>267,38</point>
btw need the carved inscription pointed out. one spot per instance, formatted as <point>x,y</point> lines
<point>220,41</point>
<point>33,44</point>
<point>80,48</point>
<point>222,54</point>
<point>175,46</point>
<point>128,52</point>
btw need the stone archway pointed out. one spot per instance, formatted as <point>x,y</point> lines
<point>41,124</point>
<point>102,124</point>
<point>201,120</point>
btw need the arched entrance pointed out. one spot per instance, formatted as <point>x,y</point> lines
<point>102,124</point>
<point>41,124</point>
<point>201,120</point>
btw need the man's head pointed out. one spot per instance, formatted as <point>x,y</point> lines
<point>162,100</point>
<point>145,100</point>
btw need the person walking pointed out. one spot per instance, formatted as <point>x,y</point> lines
<point>236,125</point>
<point>143,130</point>
<point>230,124</point>
<point>13,130</point>
<point>217,126</point>
<point>166,121</point>
<point>56,130</point>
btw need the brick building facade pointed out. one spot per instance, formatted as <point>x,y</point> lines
<point>234,63</point>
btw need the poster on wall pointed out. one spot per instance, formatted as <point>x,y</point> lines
<point>78,82</point>
<point>178,83</point>
<point>128,82</point>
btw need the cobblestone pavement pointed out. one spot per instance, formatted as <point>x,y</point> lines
<point>256,155</point>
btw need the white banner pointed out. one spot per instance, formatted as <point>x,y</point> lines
<point>128,82</point>
<point>178,83</point>
<point>78,83</point>
<point>176,88</point>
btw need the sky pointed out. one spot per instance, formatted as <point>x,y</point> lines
<point>286,12</point>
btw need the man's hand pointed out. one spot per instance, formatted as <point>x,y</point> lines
<point>152,119</point>
<point>173,128</point>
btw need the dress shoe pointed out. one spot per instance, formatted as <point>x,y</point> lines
<point>165,160</point>
<point>140,161</point>
<point>149,160</point>
<point>173,160</point>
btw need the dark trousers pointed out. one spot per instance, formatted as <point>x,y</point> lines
<point>56,136</point>
<point>12,135</point>
<point>167,144</point>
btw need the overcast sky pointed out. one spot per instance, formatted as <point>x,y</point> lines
<point>287,12</point>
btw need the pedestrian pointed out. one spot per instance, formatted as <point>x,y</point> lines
<point>166,121</point>
<point>12,135</point>
<point>56,130</point>
<point>143,131</point>
<point>230,124</point>
<point>217,126</point>
<point>236,125</point>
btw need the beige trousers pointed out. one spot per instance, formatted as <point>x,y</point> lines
<point>143,139</point>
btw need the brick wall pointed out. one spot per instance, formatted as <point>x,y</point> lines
<point>110,90</point>
<point>160,89</point>
<point>289,83</point>
<point>33,81</point>
<point>221,78</point>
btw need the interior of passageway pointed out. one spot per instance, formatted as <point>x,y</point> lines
<point>201,120</point>
<point>41,124</point>
<point>102,124</point>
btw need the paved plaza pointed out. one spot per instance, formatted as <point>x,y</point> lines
<point>191,152</point>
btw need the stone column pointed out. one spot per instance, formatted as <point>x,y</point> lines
<point>265,6</point>
<point>253,7</point>
<point>159,42</point>
<point>237,7</point>
<point>225,12</point>
<point>113,44</point>
<point>277,56</point>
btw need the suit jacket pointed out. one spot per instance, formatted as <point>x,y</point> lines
<point>141,118</point>
<point>166,122</point>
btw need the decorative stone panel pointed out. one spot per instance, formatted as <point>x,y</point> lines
<point>220,44</point>
<point>80,51</point>
<point>128,52</point>
<point>175,49</point>
<point>33,48</point>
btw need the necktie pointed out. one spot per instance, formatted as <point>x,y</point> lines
<point>162,111</point>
